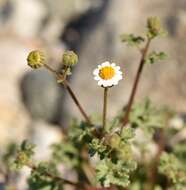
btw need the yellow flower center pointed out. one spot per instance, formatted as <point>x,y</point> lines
<point>107,73</point>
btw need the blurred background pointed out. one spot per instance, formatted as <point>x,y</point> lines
<point>33,105</point>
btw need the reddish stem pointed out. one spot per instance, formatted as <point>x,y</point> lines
<point>135,85</point>
<point>72,94</point>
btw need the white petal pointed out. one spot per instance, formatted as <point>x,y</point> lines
<point>113,64</point>
<point>120,77</point>
<point>117,68</point>
<point>115,82</point>
<point>97,78</point>
<point>106,84</point>
<point>110,83</point>
<point>96,71</point>
<point>99,66</point>
<point>116,77</point>
<point>100,82</point>
<point>105,64</point>
<point>119,72</point>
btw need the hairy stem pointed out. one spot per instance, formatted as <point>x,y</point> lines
<point>58,179</point>
<point>105,108</point>
<point>70,91</point>
<point>73,96</point>
<point>135,85</point>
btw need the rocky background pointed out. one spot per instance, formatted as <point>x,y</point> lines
<point>33,105</point>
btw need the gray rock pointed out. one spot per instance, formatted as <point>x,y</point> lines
<point>41,95</point>
<point>2,186</point>
<point>43,135</point>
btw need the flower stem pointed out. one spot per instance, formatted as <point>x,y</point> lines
<point>70,91</point>
<point>135,85</point>
<point>105,107</point>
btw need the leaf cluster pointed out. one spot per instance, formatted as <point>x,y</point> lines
<point>24,155</point>
<point>155,57</point>
<point>147,116</point>
<point>40,177</point>
<point>117,173</point>
<point>174,169</point>
<point>132,40</point>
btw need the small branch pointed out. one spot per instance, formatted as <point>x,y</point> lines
<point>135,85</point>
<point>57,178</point>
<point>105,108</point>
<point>52,70</point>
<point>66,84</point>
<point>72,94</point>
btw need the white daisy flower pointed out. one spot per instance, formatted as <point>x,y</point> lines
<point>107,74</point>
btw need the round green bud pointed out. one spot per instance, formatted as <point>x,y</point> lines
<point>36,59</point>
<point>154,25</point>
<point>69,58</point>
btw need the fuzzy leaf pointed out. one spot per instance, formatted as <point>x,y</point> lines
<point>146,116</point>
<point>108,173</point>
<point>39,180</point>
<point>155,57</point>
<point>23,156</point>
<point>97,146</point>
<point>173,168</point>
<point>127,134</point>
<point>66,152</point>
<point>132,40</point>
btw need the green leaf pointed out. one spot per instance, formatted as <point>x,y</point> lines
<point>23,155</point>
<point>9,154</point>
<point>180,150</point>
<point>155,57</point>
<point>114,123</point>
<point>66,152</point>
<point>147,116</point>
<point>132,40</point>
<point>109,173</point>
<point>80,132</point>
<point>97,146</point>
<point>173,168</point>
<point>39,179</point>
<point>127,134</point>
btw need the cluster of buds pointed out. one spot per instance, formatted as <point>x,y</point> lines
<point>37,59</point>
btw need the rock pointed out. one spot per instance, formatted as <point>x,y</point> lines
<point>27,17</point>
<point>61,13</point>
<point>13,116</point>
<point>42,18</point>
<point>43,135</point>
<point>2,186</point>
<point>41,95</point>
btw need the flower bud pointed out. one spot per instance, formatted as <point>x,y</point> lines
<point>154,26</point>
<point>36,59</point>
<point>70,58</point>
